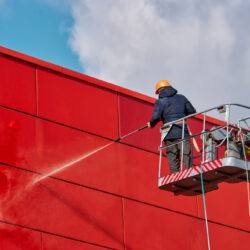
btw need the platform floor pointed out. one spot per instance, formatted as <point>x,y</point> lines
<point>188,182</point>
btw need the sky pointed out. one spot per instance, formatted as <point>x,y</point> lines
<point>39,28</point>
<point>201,47</point>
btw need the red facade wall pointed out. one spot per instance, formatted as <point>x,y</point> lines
<point>18,89</point>
<point>100,194</point>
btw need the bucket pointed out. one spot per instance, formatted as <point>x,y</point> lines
<point>234,150</point>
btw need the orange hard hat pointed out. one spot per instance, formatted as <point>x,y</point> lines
<point>161,84</point>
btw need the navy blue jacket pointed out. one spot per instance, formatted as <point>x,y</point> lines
<point>170,107</point>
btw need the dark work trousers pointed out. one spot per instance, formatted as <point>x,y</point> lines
<point>174,153</point>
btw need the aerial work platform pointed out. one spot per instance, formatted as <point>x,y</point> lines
<point>188,182</point>
<point>225,154</point>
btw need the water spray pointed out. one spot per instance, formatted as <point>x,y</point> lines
<point>86,155</point>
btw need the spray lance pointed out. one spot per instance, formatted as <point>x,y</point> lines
<point>135,131</point>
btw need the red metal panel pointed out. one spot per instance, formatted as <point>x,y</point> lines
<point>225,238</point>
<point>74,74</point>
<point>228,205</point>
<point>61,208</point>
<point>148,227</point>
<point>17,85</point>
<point>51,242</point>
<point>18,238</point>
<point>42,146</point>
<point>77,104</point>
<point>17,136</point>
<point>133,114</point>
<point>72,155</point>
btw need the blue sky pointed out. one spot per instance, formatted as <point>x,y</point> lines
<point>39,29</point>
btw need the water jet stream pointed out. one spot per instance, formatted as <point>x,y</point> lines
<point>71,163</point>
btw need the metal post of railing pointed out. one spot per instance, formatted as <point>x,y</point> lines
<point>203,138</point>
<point>159,175</point>
<point>227,118</point>
<point>182,143</point>
<point>192,155</point>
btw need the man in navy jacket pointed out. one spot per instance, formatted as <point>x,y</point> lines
<point>170,107</point>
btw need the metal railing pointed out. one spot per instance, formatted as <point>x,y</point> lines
<point>229,127</point>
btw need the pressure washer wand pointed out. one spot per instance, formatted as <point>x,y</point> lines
<point>137,130</point>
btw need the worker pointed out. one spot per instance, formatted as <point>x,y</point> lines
<point>170,107</point>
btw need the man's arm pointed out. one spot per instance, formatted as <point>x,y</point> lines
<point>156,116</point>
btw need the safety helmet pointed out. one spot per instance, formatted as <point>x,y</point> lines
<point>161,84</point>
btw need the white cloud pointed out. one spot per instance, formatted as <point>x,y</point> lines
<point>201,47</point>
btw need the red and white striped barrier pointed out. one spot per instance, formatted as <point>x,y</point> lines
<point>190,172</point>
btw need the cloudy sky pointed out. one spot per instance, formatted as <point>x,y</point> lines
<point>201,47</point>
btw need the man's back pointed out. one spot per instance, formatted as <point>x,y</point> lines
<point>171,106</point>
